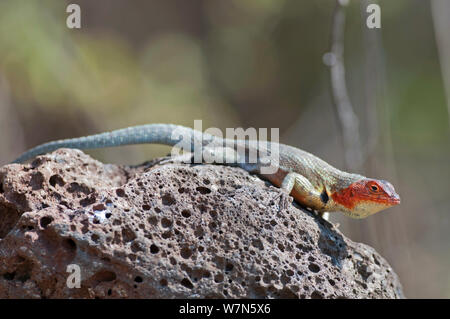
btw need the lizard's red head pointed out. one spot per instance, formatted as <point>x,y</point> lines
<point>366,197</point>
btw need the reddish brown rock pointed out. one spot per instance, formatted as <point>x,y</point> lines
<point>170,231</point>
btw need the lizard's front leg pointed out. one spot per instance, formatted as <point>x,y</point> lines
<point>304,192</point>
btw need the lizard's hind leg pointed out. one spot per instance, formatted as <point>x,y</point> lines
<point>221,155</point>
<point>209,155</point>
<point>185,158</point>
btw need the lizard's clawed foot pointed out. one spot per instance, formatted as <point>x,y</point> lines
<point>324,215</point>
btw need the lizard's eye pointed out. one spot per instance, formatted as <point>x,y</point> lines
<point>373,187</point>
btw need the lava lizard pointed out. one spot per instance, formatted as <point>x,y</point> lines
<point>312,182</point>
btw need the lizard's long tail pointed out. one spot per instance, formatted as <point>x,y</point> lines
<point>167,134</point>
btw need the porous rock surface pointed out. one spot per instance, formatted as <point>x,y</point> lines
<point>170,231</point>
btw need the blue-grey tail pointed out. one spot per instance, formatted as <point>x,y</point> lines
<point>167,134</point>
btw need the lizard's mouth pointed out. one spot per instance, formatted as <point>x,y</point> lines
<point>393,199</point>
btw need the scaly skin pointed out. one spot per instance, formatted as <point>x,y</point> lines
<point>311,181</point>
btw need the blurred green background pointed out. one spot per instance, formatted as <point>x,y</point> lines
<point>247,63</point>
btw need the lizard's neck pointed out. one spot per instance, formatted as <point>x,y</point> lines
<point>339,190</point>
<point>337,180</point>
<point>342,195</point>
<point>343,180</point>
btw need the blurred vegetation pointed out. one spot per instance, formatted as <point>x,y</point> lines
<point>244,63</point>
